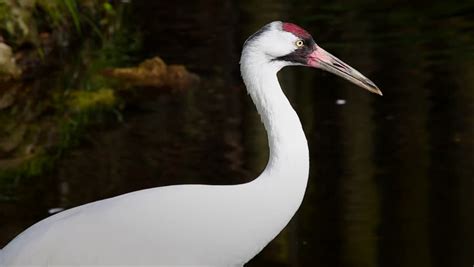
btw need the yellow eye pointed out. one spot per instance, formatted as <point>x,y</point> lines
<point>299,43</point>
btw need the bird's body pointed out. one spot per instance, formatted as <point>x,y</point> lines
<point>140,228</point>
<point>194,225</point>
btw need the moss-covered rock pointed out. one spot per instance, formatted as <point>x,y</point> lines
<point>155,73</point>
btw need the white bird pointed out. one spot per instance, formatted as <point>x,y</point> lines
<point>199,225</point>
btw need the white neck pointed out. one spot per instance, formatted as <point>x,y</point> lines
<point>286,174</point>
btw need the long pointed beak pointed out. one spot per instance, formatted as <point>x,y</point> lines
<point>322,59</point>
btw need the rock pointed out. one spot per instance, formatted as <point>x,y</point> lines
<point>178,77</point>
<point>151,72</point>
<point>155,73</point>
<point>8,68</point>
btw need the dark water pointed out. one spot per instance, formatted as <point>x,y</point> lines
<point>392,181</point>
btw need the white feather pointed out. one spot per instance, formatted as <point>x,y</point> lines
<point>197,225</point>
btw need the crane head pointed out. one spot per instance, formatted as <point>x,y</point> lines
<point>288,44</point>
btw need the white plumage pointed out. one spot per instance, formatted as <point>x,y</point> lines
<point>197,225</point>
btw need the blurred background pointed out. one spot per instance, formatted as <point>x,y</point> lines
<point>89,111</point>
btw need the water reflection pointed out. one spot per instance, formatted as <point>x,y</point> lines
<point>391,177</point>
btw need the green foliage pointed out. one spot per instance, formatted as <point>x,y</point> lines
<point>79,96</point>
<point>82,109</point>
<point>5,14</point>
<point>21,21</point>
<point>71,6</point>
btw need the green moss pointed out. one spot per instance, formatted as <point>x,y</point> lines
<point>32,166</point>
<point>84,101</point>
<point>83,109</point>
<point>77,110</point>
